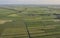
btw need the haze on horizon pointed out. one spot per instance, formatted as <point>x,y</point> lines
<point>29,1</point>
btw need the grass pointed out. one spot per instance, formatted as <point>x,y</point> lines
<point>4,21</point>
<point>13,24</point>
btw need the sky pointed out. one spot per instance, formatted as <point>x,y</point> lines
<point>29,1</point>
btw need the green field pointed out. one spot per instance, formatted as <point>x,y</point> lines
<point>40,22</point>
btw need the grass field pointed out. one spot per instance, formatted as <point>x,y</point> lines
<point>40,22</point>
